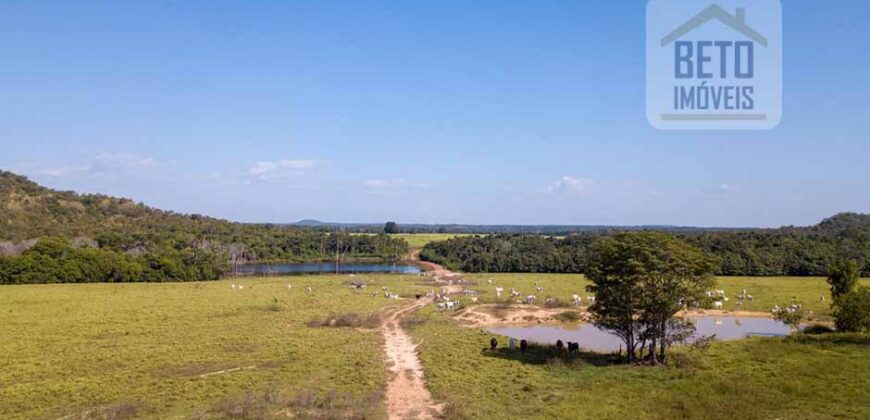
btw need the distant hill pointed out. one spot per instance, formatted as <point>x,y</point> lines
<point>29,210</point>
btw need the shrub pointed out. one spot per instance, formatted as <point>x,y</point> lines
<point>790,315</point>
<point>852,311</point>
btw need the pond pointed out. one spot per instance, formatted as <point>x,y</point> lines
<point>312,268</point>
<point>591,338</point>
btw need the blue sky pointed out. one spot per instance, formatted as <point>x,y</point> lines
<point>431,112</point>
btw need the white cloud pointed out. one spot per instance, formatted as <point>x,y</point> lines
<point>395,183</point>
<point>572,184</point>
<point>271,170</point>
<point>119,163</point>
<point>725,187</point>
<point>103,164</point>
<point>56,172</point>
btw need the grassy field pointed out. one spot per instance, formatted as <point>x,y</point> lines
<point>150,349</point>
<point>205,350</point>
<point>758,378</point>
<point>766,291</point>
<point>419,240</point>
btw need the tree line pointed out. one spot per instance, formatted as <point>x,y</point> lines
<point>758,252</point>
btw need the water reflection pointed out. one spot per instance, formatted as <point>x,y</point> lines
<point>592,338</point>
<point>310,268</point>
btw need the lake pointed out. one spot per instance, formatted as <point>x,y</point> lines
<point>312,268</point>
<point>591,338</point>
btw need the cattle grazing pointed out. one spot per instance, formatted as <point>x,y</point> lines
<point>493,344</point>
<point>524,345</point>
<point>576,300</point>
<point>443,306</point>
<point>309,289</point>
<point>573,348</point>
<point>474,300</point>
<point>498,291</point>
<point>560,345</point>
<point>590,299</point>
<point>539,288</point>
<point>530,299</point>
<point>717,304</point>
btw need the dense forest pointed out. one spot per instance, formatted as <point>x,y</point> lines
<point>751,252</point>
<point>60,236</point>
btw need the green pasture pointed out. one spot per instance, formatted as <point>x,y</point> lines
<point>154,350</point>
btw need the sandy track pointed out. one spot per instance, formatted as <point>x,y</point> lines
<point>407,395</point>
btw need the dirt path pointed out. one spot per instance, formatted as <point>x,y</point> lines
<point>407,395</point>
<point>438,272</point>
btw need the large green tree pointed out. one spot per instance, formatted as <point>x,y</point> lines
<point>391,228</point>
<point>843,277</point>
<point>640,280</point>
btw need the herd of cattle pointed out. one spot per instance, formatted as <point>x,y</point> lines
<point>456,285</point>
<point>561,347</point>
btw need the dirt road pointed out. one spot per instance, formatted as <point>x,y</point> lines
<point>407,395</point>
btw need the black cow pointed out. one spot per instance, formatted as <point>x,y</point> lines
<point>559,345</point>
<point>524,345</point>
<point>493,344</point>
<point>573,348</point>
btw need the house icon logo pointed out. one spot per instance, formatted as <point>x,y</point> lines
<point>714,66</point>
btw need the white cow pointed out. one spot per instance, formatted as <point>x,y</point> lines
<point>576,300</point>
<point>498,291</point>
<point>530,299</point>
<point>717,304</point>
